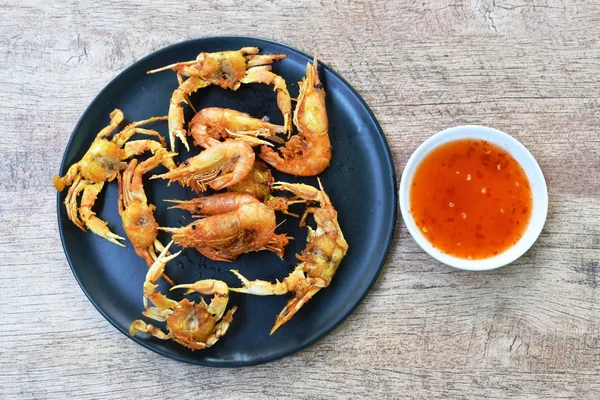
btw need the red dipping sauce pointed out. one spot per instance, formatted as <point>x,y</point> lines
<point>470,199</point>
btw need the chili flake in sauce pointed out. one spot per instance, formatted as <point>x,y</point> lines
<point>471,199</point>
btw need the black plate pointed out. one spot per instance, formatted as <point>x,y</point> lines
<point>360,181</point>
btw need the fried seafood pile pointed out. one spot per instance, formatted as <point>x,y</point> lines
<point>227,224</point>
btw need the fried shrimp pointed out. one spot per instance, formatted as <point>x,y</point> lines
<point>309,152</point>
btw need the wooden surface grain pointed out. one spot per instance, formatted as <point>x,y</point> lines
<point>528,67</point>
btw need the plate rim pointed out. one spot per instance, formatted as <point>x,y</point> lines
<point>293,350</point>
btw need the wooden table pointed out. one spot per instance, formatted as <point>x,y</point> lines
<point>527,67</point>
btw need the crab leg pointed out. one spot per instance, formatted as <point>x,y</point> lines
<point>156,270</point>
<point>174,66</point>
<point>95,224</point>
<point>179,97</point>
<point>187,98</point>
<point>140,326</point>
<point>221,328</point>
<point>71,201</point>
<point>157,314</point>
<point>134,128</point>
<point>158,246</point>
<point>265,288</point>
<point>61,183</point>
<point>210,286</point>
<point>282,203</point>
<point>305,288</point>
<point>292,307</point>
<point>263,74</point>
<point>116,117</point>
<point>257,60</point>
<point>127,134</point>
<point>137,147</point>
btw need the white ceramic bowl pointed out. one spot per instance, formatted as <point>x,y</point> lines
<point>519,153</point>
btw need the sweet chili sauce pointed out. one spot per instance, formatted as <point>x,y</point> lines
<point>470,199</point>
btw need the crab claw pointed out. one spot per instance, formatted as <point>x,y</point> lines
<point>100,228</point>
